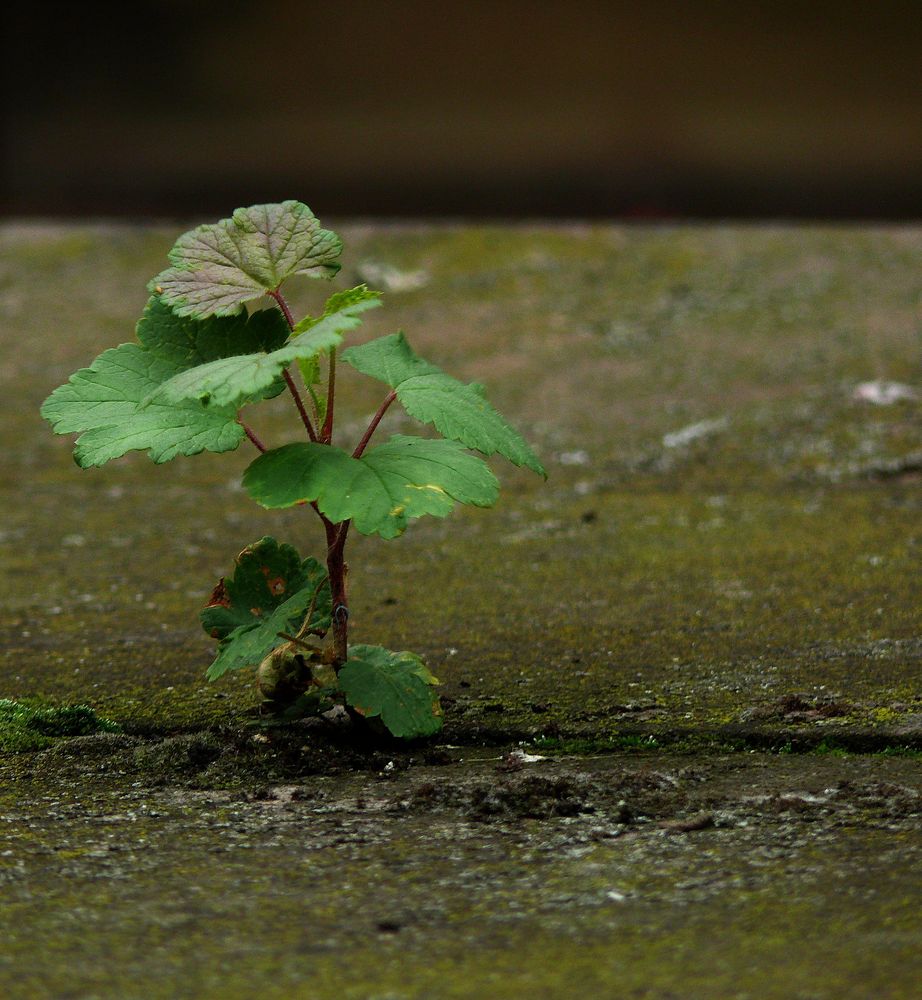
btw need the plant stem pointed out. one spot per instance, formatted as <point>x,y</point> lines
<point>305,419</point>
<point>251,434</point>
<point>326,434</point>
<point>337,570</point>
<point>336,535</point>
<point>375,420</point>
<point>289,381</point>
<point>296,641</point>
<point>283,305</point>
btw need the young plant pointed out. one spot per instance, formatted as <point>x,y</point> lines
<point>200,359</point>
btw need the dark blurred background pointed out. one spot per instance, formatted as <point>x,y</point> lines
<point>502,109</point>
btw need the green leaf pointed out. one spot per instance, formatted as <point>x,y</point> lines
<point>458,411</point>
<point>395,686</point>
<point>107,403</point>
<point>390,359</point>
<point>188,343</point>
<point>380,492</point>
<point>216,268</point>
<point>342,310</point>
<point>310,370</point>
<point>248,645</point>
<point>269,592</point>
<point>238,380</point>
<point>32,725</point>
<point>347,305</point>
<point>234,381</point>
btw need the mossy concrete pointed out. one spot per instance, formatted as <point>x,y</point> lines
<point>725,557</point>
<point>652,876</point>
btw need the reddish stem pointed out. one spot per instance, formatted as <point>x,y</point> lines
<point>337,570</point>
<point>326,434</point>
<point>283,305</point>
<point>375,420</point>
<point>336,536</point>
<point>251,434</point>
<point>299,402</point>
<point>289,381</point>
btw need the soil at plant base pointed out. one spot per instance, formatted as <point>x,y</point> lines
<point>707,621</point>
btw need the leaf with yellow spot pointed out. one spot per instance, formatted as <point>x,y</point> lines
<point>404,478</point>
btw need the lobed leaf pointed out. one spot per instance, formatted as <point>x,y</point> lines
<point>234,381</point>
<point>397,687</point>
<point>380,492</point>
<point>458,411</point>
<point>216,268</point>
<point>109,404</point>
<point>269,592</point>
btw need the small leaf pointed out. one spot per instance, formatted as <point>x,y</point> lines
<point>458,411</point>
<point>248,645</point>
<point>342,310</point>
<point>108,404</point>
<point>269,592</point>
<point>401,479</point>
<point>395,686</point>
<point>310,370</point>
<point>216,268</point>
<point>234,381</point>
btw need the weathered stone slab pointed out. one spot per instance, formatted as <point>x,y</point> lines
<point>717,876</point>
<point>729,536</point>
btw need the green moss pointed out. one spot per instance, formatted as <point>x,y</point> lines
<point>912,753</point>
<point>33,726</point>
<point>572,885</point>
<point>831,748</point>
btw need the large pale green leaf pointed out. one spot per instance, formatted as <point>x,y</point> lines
<point>218,267</point>
<point>269,592</point>
<point>103,403</point>
<point>397,687</point>
<point>380,492</point>
<point>233,381</point>
<point>457,410</point>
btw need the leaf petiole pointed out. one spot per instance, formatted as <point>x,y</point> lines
<point>299,403</point>
<point>251,434</point>
<point>316,403</point>
<point>283,305</point>
<point>375,420</point>
<point>289,381</point>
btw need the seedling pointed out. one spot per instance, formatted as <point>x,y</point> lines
<point>200,360</point>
